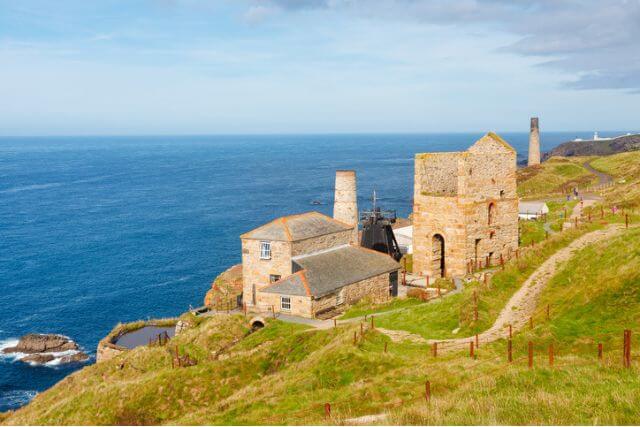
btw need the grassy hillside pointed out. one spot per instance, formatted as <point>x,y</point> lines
<point>625,167</point>
<point>556,175</point>
<point>285,373</point>
<point>592,301</point>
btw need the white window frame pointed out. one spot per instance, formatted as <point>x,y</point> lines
<point>265,250</point>
<point>285,303</point>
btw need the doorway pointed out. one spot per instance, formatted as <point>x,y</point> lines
<point>438,256</point>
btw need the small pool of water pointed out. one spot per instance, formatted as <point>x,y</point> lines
<point>142,336</point>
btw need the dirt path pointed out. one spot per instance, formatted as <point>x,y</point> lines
<point>603,178</point>
<point>523,303</point>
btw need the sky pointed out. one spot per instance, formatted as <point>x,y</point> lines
<point>158,67</point>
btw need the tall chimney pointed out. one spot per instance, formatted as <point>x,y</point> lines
<point>534,143</point>
<point>345,205</point>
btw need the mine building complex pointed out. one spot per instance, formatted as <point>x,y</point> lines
<point>465,213</point>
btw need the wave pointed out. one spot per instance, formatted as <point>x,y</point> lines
<point>16,398</point>
<point>32,187</point>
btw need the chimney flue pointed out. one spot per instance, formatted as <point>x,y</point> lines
<point>534,143</point>
<point>345,206</point>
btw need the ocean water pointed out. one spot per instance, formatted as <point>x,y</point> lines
<point>100,230</point>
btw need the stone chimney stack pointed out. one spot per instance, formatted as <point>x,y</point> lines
<point>534,143</point>
<point>345,205</point>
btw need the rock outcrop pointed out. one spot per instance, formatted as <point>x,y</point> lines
<point>225,289</point>
<point>45,348</point>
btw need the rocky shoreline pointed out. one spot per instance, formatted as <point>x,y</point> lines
<point>41,349</point>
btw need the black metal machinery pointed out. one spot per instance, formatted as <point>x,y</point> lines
<point>377,233</point>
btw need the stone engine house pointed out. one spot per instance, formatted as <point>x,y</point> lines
<point>465,208</point>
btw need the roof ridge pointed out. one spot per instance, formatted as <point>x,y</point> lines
<point>337,221</point>
<point>286,229</point>
<point>371,250</point>
<point>303,277</point>
<point>282,279</point>
<point>259,227</point>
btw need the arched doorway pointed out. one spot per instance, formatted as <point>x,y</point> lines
<point>437,256</point>
<point>491,215</point>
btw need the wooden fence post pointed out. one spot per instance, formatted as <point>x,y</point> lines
<point>361,329</point>
<point>427,281</point>
<point>510,331</point>
<point>530,354</point>
<point>435,349</point>
<point>427,391</point>
<point>548,312</point>
<point>372,326</point>
<point>509,351</point>
<point>626,220</point>
<point>531,322</point>
<point>385,346</point>
<point>477,341</point>
<point>627,348</point>
<point>551,354</point>
<point>471,354</point>
<point>600,351</point>
<point>335,323</point>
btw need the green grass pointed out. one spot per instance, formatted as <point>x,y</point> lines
<point>555,175</point>
<point>284,374</point>
<point>622,165</point>
<point>439,319</point>
<point>531,231</point>
<point>366,307</point>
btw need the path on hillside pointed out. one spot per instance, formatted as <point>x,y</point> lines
<point>603,178</point>
<point>522,304</point>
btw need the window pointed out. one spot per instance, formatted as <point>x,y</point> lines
<point>265,250</point>
<point>492,213</point>
<point>285,303</point>
<point>274,278</point>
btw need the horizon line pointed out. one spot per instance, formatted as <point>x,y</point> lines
<point>358,133</point>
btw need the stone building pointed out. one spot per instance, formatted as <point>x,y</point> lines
<point>465,207</point>
<point>309,264</point>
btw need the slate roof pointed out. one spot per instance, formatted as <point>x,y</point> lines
<point>297,227</point>
<point>325,272</point>
<point>532,207</point>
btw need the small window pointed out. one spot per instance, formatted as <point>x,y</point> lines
<point>285,303</point>
<point>265,250</point>
<point>491,214</point>
<point>274,278</point>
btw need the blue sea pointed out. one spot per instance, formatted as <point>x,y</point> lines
<point>100,230</point>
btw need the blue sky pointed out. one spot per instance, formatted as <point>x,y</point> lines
<point>317,66</point>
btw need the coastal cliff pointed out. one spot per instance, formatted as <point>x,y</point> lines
<point>598,147</point>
